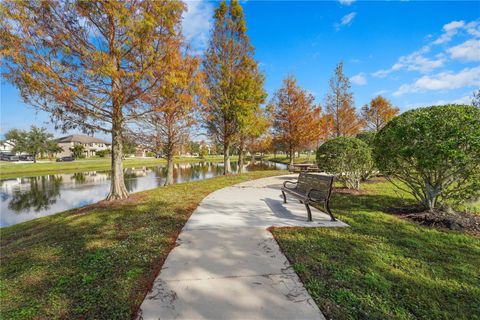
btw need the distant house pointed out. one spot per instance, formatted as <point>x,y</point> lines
<point>90,145</point>
<point>140,152</point>
<point>204,145</point>
<point>6,146</point>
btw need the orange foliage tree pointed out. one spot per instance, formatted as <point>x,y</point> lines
<point>92,65</point>
<point>295,116</point>
<point>378,113</point>
<point>174,108</point>
<point>253,127</point>
<point>324,128</point>
<point>340,106</point>
<point>261,144</point>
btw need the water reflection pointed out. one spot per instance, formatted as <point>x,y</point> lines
<point>28,198</point>
<point>43,192</point>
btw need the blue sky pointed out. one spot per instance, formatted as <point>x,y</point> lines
<point>414,53</point>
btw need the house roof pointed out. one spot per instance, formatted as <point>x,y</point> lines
<point>80,138</point>
<point>9,142</point>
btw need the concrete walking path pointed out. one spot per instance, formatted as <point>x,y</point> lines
<point>228,266</point>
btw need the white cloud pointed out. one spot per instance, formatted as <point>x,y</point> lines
<point>380,93</point>
<point>346,2</point>
<point>415,61</point>
<point>197,22</point>
<point>453,28</point>
<point>473,28</point>
<point>469,51</point>
<point>419,60</point>
<point>449,30</point>
<point>359,79</point>
<point>462,100</point>
<point>346,20</point>
<point>384,72</point>
<point>453,25</point>
<point>443,81</point>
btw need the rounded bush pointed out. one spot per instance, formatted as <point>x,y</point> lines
<point>368,137</point>
<point>346,157</point>
<point>434,152</point>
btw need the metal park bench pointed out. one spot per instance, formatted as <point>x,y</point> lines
<point>310,188</point>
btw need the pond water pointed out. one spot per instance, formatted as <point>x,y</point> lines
<point>27,198</point>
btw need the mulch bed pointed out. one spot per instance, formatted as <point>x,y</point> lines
<point>461,221</point>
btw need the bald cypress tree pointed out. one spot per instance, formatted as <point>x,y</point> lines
<point>340,106</point>
<point>92,65</point>
<point>232,77</point>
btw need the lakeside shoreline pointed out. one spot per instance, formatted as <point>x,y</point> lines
<point>10,170</point>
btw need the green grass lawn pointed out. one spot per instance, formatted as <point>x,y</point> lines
<point>284,159</point>
<point>383,267</point>
<point>12,170</point>
<point>97,262</point>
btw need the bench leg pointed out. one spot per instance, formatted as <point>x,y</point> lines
<point>327,208</point>
<point>309,212</point>
<point>284,197</point>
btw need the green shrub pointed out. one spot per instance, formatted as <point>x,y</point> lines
<point>103,153</point>
<point>77,151</point>
<point>368,137</point>
<point>346,157</point>
<point>434,151</point>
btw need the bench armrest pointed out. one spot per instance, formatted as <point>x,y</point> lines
<point>292,182</point>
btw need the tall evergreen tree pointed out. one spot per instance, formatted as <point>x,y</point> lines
<point>340,106</point>
<point>232,77</point>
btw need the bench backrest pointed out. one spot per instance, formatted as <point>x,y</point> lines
<point>321,182</point>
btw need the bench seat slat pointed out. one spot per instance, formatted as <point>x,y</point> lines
<point>295,193</point>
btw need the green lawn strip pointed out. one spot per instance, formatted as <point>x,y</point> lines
<point>285,160</point>
<point>99,261</point>
<point>13,170</point>
<point>384,267</point>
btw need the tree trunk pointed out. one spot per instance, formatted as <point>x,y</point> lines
<point>34,158</point>
<point>118,190</point>
<point>291,156</point>
<point>241,157</point>
<point>169,179</point>
<point>431,196</point>
<point>226,158</point>
<point>117,187</point>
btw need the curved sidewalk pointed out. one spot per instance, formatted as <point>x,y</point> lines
<point>228,266</point>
